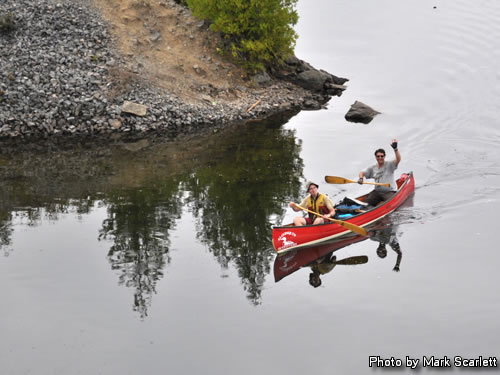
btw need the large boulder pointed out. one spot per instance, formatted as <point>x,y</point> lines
<point>360,112</point>
<point>304,75</point>
<point>313,80</point>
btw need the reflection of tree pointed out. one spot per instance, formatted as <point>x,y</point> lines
<point>236,191</point>
<point>138,223</point>
<point>25,201</point>
<point>5,233</point>
<point>236,197</point>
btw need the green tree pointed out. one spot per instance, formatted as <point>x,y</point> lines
<point>256,32</point>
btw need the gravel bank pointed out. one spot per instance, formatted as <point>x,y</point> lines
<point>60,75</point>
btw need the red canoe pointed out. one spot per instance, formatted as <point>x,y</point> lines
<point>288,237</point>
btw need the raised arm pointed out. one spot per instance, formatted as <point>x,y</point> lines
<point>394,146</point>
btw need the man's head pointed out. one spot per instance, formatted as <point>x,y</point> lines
<point>381,251</point>
<point>314,279</point>
<point>380,155</point>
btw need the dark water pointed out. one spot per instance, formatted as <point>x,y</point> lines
<point>153,257</point>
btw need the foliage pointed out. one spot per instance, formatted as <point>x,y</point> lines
<point>256,32</point>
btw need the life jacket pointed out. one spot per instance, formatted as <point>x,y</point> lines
<point>317,205</point>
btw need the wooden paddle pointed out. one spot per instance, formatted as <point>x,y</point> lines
<point>352,227</point>
<point>342,180</point>
<point>359,259</point>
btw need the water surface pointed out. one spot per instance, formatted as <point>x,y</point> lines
<point>156,257</point>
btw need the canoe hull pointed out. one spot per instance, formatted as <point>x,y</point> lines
<point>285,264</point>
<point>286,238</point>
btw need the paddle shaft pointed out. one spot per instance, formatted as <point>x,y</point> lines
<point>352,227</point>
<point>342,180</point>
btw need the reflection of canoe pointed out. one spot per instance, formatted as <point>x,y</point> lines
<point>288,237</point>
<point>285,264</point>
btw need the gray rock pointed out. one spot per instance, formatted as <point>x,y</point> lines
<point>134,108</point>
<point>262,79</point>
<point>313,80</point>
<point>199,70</point>
<point>360,112</point>
<point>155,36</point>
<point>115,123</point>
<point>292,60</point>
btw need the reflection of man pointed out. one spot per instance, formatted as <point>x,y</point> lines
<point>326,263</point>
<point>320,267</point>
<point>384,237</point>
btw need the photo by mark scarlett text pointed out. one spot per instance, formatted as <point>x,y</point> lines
<point>376,361</point>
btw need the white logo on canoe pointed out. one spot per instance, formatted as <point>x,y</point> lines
<point>285,238</point>
<point>285,267</point>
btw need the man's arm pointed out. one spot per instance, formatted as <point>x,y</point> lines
<point>394,145</point>
<point>294,207</point>
<point>366,173</point>
<point>329,205</point>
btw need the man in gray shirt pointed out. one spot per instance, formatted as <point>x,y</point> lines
<point>382,172</point>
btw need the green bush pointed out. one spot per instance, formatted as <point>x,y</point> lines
<point>256,32</point>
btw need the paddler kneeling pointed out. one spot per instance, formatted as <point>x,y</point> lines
<point>316,202</point>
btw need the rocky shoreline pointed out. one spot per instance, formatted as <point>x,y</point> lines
<point>60,75</point>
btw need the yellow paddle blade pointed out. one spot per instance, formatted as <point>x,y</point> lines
<point>352,227</point>
<point>338,180</point>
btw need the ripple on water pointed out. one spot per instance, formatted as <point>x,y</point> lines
<point>467,44</point>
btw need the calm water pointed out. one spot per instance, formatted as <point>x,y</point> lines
<point>156,258</point>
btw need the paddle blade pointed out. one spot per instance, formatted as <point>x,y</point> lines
<point>361,259</point>
<point>352,227</point>
<point>338,180</point>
